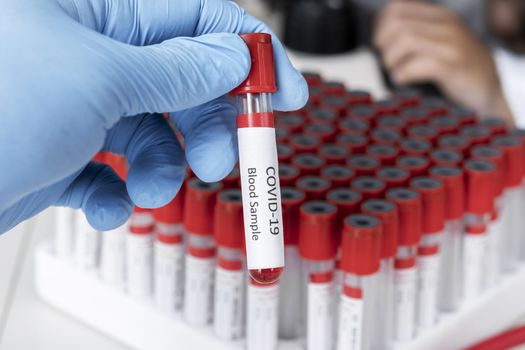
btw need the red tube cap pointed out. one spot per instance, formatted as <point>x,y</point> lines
<point>199,205</point>
<point>346,201</point>
<point>423,132</point>
<point>324,132</point>
<point>308,163</point>
<point>433,203</point>
<point>513,155</point>
<point>407,96</point>
<point>338,175</point>
<point>317,231</point>
<point>353,142</point>
<point>387,106</point>
<point>386,212</point>
<point>262,73</point>
<point>228,224</point>
<point>141,221</point>
<point>353,126</point>
<point>292,199</point>
<point>446,157</point>
<point>446,124</point>
<point>414,147</point>
<point>363,112</point>
<point>386,136</point>
<point>452,179</point>
<point>391,121</point>
<point>369,187</point>
<point>293,122</point>
<point>361,247</point>
<point>465,115</point>
<point>232,180</point>
<point>414,115</point>
<point>304,143</point>
<point>496,125</point>
<point>456,143</point>
<point>288,175</point>
<point>172,212</point>
<point>393,176</point>
<point>385,154</point>
<point>476,134</point>
<point>314,187</point>
<point>358,97</point>
<point>322,116</point>
<point>480,177</point>
<point>337,104</point>
<point>284,152</point>
<point>334,154</point>
<point>415,165</point>
<point>363,165</point>
<point>409,208</point>
<point>434,105</point>
<point>494,155</point>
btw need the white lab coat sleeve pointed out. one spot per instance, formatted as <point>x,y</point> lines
<point>511,71</point>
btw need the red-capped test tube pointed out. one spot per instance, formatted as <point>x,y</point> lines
<point>139,253</point>
<point>449,296</point>
<point>405,273</point>
<point>168,254</point>
<point>228,316</point>
<point>263,221</point>
<point>199,205</point>
<point>290,282</point>
<point>262,315</point>
<point>480,177</point>
<point>361,250</point>
<point>317,247</point>
<point>386,212</point>
<point>428,255</point>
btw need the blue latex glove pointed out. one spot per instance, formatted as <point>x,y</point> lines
<point>81,76</point>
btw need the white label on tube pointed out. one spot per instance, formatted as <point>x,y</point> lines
<point>261,198</point>
<point>198,290</point>
<point>493,266</point>
<point>169,275</point>
<point>427,293</point>
<point>404,303</point>
<point>139,264</point>
<point>228,315</point>
<point>262,317</point>
<point>64,235</point>
<point>87,242</point>
<point>290,295</point>
<point>350,333</point>
<point>112,256</point>
<point>474,250</point>
<point>320,326</point>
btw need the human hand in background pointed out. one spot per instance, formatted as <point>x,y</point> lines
<point>420,41</point>
<point>83,76</point>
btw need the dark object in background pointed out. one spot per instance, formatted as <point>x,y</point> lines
<point>320,27</point>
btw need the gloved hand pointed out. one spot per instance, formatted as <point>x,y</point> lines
<point>82,76</point>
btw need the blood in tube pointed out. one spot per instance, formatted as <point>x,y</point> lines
<point>258,163</point>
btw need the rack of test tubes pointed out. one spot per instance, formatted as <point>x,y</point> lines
<point>403,228</point>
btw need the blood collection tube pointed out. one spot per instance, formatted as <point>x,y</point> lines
<point>353,142</point>
<point>64,232</point>
<point>423,132</point>
<point>445,157</point>
<point>415,165</point>
<point>288,174</point>
<point>456,143</point>
<point>312,78</point>
<point>113,256</point>
<point>494,230</point>
<point>168,254</point>
<point>465,115</point>
<point>262,315</point>
<point>480,176</point>
<point>413,147</point>
<point>353,126</point>
<point>358,97</point>
<point>363,112</point>
<point>281,135</point>
<point>450,282</point>
<point>199,205</point>
<point>476,134</point>
<point>385,136</point>
<point>304,143</point>
<point>230,181</point>
<point>228,314</point>
<point>86,242</point>
<point>432,196</point>
<point>258,163</point>
<point>139,253</point>
<point>290,283</point>
<point>333,154</point>
<point>363,165</point>
<point>405,273</point>
<point>315,95</point>
<point>407,96</point>
<point>293,122</point>
<point>322,116</point>
<point>308,163</point>
<point>387,213</point>
<point>496,125</point>
<point>361,249</point>
<point>369,187</point>
<point>314,187</point>
<point>414,115</point>
<point>324,132</point>
<point>393,176</point>
<point>392,122</point>
<point>337,104</point>
<point>284,154</point>
<point>445,124</point>
<point>317,247</point>
<point>333,88</point>
<point>512,207</point>
<point>387,106</point>
<point>338,175</point>
<point>385,154</point>
<point>434,105</point>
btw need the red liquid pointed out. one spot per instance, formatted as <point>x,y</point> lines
<point>266,276</point>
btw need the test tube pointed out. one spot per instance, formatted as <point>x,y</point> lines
<point>337,104</point>
<point>338,175</point>
<point>199,205</point>
<point>353,126</point>
<point>304,143</point>
<point>333,154</point>
<point>432,196</point>
<point>445,157</point>
<point>262,315</point>
<point>314,187</point>
<point>64,232</point>
<point>358,97</point>
<point>456,143</point>
<point>324,132</point>
<point>230,181</point>
<point>391,121</point>
<point>308,163</point>
<point>361,250</point>
<point>414,147</point>
<point>317,247</point>
<point>355,143</point>
<point>293,122</point>
<point>363,112</point>
<point>434,105</point>
<point>322,115</point>
<point>284,154</point>
<point>168,255</point>
<point>405,273</point>
<point>465,115</point>
<point>450,282</point>
<point>387,106</point>
<point>288,174</point>
<point>139,253</point>
<point>113,255</point>
<point>407,96</point>
<point>393,176</point>
<point>476,134</point>
<point>87,242</point>
<point>423,132</point>
<point>445,124</point>
<point>290,283</point>
<point>496,125</point>
<point>385,154</point>
<point>228,315</point>
<point>414,115</point>
<point>513,211</point>
<point>258,163</point>
<point>480,176</point>
<point>387,213</point>
<point>369,187</point>
<point>363,165</point>
<point>385,136</point>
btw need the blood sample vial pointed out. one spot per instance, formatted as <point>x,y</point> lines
<point>258,164</point>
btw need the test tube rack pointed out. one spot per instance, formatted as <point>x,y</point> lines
<point>138,324</point>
